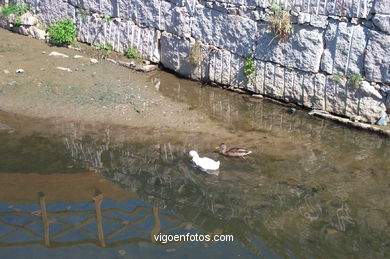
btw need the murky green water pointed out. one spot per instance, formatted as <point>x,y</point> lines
<point>311,189</point>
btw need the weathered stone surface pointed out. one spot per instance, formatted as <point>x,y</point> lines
<point>344,48</point>
<point>174,54</point>
<point>377,61</point>
<point>368,90</point>
<point>382,6</point>
<point>230,32</point>
<point>313,91</point>
<point>175,19</point>
<point>336,96</point>
<point>89,5</point>
<point>259,80</point>
<point>293,86</point>
<point>371,109</point>
<point>320,21</point>
<point>29,19</point>
<point>142,13</point>
<point>382,21</point>
<point>302,49</point>
<point>157,14</point>
<point>237,76</point>
<point>220,66</point>
<point>30,31</point>
<point>53,10</point>
<point>121,35</point>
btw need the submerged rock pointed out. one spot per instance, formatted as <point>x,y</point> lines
<point>292,110</point>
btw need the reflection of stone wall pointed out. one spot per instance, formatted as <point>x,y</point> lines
<point>330,37</point>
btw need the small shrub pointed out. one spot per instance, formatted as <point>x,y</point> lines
<point>249,69</point>
<point>280,21</point>
<point>63,32</point>
<point>106,49</point>
<point>195,57</point>
<point>355,80</point>
<point>132,53</point>
<point>15,9</point>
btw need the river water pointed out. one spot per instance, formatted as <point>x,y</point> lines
<point>311,188</point>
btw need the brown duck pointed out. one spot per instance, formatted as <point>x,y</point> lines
<point>236,151</point>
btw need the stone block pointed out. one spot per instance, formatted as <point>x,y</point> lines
<point>230,32</point>
<point>313,86</point>
<point>352,102</point>
<point>377,61</point>
<point>371,109</point>
<point>320,21</point>
<point>336,95</point>
<point>220,66</point>
<point>301,50</point>
<point>175,54</point>
<point>382,21</point>
<point>260,77</point>
<point>237,76</point>
<point>293,91</point>
<point>344,48</point>
<point>174,19</point>
<point>381,6</point>
<point>53,10</point>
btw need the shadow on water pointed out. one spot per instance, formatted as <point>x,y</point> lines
<point>311,188</point>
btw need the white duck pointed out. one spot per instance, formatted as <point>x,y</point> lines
<point>204,163</point>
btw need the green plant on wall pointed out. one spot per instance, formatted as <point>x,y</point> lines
<point>355,80</point>
<point>338,78</point>
<point>195,57</point>
<point>106,49</point>
<point>107,18</point>
<point>250,69</point>
<point>63,32</point>
<point>15,9</point>
<point>280,21</point>
<point>84,13</point>
<point>132,53</point>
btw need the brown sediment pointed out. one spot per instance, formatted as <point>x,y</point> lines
<point>102,92</point>
<point>66,187</point>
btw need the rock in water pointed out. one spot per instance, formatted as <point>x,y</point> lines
<point>292,110</point>
<point>383,120</point>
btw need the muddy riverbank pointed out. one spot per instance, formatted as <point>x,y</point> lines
<point>77,88</point>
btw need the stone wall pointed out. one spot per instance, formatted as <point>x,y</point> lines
<point>331,40</point>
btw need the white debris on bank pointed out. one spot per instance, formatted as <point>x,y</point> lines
<point>58,54</point>
<point>64,69</point>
